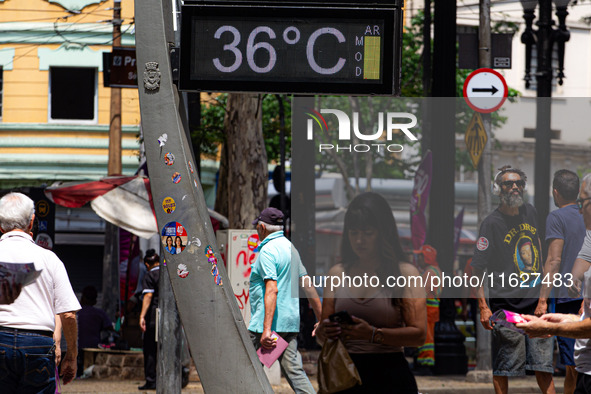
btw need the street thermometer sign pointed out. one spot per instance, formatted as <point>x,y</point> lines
<point>485,90</point>
<point>288,49</point>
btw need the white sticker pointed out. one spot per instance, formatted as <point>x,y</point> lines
<point>162,139</point>
<point>482,244</point>
<point>182,271</point>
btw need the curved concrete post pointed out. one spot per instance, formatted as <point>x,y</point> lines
<point>218,339</point>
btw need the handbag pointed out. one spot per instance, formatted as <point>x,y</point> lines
<point>336,370</point>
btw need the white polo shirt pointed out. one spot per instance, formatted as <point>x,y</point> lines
<point>50,294</point>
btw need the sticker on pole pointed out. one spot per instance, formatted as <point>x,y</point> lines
<point>168,204</point>
<point>174,237</point>
<point>182,271</point>
<point>252,242</point>
<point>485,90</point>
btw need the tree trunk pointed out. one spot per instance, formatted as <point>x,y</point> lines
<point>247,172</point>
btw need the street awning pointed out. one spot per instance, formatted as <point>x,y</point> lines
<point>124,201</point>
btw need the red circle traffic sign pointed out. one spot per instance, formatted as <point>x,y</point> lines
<point>485,90</point>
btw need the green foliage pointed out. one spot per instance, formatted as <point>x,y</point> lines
<point>505,26</point>
<point>210,135</point>
<point>272,125</point>
<point>411,84</point>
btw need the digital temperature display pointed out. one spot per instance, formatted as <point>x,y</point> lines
<point>290,50</point>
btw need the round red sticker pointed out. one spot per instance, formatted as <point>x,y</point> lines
<point>252,242</point>
<point>482,244</point>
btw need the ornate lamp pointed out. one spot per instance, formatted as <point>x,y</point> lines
<point>531,37</point>
<point>562,35</point>
<point>528,37</point>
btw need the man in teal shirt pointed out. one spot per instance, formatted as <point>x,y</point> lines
<point>274,302</point>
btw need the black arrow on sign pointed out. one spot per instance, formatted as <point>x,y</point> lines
<point>492,90</point>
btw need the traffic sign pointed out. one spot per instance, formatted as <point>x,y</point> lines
<point>475,138</point>
<point>120,68</point>
<point>485,90</point>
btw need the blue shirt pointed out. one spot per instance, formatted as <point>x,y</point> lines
<point>280,261</point>
<point>567,224</point>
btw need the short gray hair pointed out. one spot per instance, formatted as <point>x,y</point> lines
<point>587,182</point>
<point>272,228</point>
<point>16,212</point>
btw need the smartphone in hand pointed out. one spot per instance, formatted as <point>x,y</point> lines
<point>341,317</point>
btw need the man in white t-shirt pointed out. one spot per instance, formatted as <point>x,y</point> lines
<point>27,324</point>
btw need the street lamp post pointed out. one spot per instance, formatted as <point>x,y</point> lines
<point>543,39</point>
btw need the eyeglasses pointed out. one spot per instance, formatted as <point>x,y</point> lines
<point>580,201</point>
<point>520,183</point>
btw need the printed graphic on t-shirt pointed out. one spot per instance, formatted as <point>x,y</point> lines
<point>526,256</point>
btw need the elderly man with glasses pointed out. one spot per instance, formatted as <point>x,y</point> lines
<point>509,249</point>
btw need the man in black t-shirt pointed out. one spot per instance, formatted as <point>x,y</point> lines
<point>148,317</point>
<point>509,249</point>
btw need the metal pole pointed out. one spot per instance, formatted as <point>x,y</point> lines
<point>450,353</point>
<point>303,205</point>
<point>441,220</point>
<point>110,290</point>
<point>483,350</point>
<point>111,248</point>
<point>543,116</point>
<point>427,79</point>
<point>168,369</point>
<point>282,192</point>
<point>218,339</point>
<point>114,165</point>
<point>427,50</point>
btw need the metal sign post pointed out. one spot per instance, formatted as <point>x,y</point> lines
<point>218,339</point>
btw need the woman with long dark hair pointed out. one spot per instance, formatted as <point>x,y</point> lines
<point>178,244</point>
<point>169,245</point>
<point>385,317</point>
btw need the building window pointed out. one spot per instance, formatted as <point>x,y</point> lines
<point>72,93</point>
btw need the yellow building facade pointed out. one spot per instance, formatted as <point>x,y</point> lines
<point>55,111</point>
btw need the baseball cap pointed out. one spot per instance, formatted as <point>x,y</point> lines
<point>429,254</point>
<point>270,216</point>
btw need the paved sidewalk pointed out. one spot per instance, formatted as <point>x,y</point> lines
<point>458,384</point>
<point>427,385</point>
